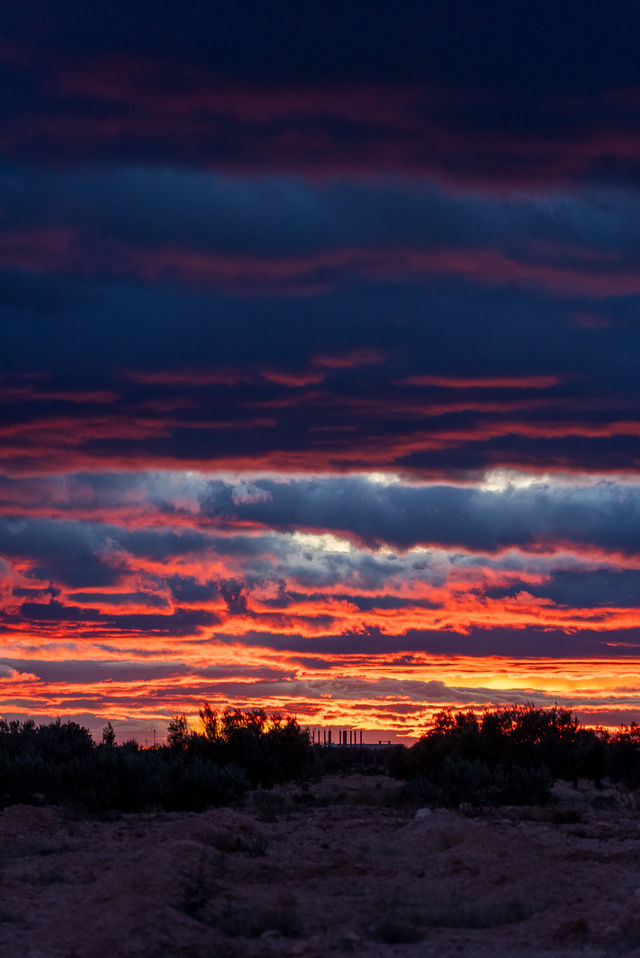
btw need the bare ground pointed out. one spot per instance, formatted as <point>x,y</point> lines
<point>321,872</point>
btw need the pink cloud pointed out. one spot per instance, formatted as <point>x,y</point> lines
<point>485,382</point>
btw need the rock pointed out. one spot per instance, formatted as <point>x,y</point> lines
<point>270,934</point>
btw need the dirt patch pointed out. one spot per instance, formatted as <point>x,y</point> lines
<point>319,870</point>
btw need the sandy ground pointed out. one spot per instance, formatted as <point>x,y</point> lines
<point>285,876</point>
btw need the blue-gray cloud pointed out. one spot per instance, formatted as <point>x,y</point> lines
<point>540,516</point>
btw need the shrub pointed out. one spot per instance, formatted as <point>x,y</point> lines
<point>268,748</point>
<point>458,780</point>
<point>61,762</point>
<point>504,756</point>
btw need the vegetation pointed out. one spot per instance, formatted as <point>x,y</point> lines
<point>504,756</point>
<point>512,756</point>
<point>60,763</point>
<point>269,749</point>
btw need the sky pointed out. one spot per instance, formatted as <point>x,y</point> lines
<point>319,386</point>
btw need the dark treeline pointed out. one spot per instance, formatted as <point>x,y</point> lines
<point>512,756</point>
<point>61,764</point>
<point>501,756</point>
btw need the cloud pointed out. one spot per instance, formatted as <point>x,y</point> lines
<point>225,232</point>
<point>424,94</point>
<point>334,553</point>
<point>583,587</point>
<point>197,397</point>
<point>542,515</point>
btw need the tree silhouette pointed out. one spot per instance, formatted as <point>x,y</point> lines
<point>108,735</point>
<point>178,732</point>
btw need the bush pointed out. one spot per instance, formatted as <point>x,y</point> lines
<point>268,748</point>
<point>235,750</point>
<point>60,762</point>
<point>504,756</point>
<point>459,781</point>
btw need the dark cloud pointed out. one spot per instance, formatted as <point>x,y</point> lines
<point>71,553</point>
<point>187,589</point>
<point>584,588</point>
<point>263,232</point>
<point>540,516</point>
<point>464,94</point>
<point>83,672</point>
<point>148,599</point>
<point>526,643</point>
<point>180,622</point>
<point>247,391</point>
<point>82,554</point>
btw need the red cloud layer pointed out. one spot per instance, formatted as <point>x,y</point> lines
<point>398,696</point>
<point>122,104</point>
<point>249,419</point>
<point>64,250</point>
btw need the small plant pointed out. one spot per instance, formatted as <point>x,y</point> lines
<point>629,796</point>
<point>268,804</point>
<point>247,839</point>
<point>253,843</point>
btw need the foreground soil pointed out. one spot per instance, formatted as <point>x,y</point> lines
<point>322,871</point>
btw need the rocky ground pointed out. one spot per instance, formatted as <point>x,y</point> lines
<point>329,870</point>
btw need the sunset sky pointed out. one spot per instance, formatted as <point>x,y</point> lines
<point>319,371</point>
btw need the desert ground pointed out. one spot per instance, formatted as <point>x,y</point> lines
<point>322,870</point>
